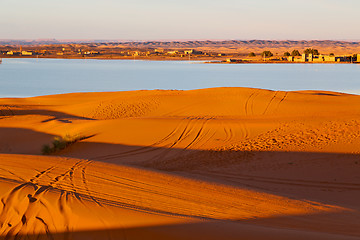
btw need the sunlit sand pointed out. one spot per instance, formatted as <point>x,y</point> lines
<point>222,163</point>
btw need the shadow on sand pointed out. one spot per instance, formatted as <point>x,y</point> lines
<point>54,115</point>
<point>329,178</point>
<point>209,230</point>
<point>280,173</point>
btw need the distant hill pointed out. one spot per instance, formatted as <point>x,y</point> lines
<point>225,46</point>
<point>189,43</point>
<point>240,43</point>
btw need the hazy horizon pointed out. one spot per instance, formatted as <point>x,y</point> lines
<point>170,39</point>
<point>171,20</point>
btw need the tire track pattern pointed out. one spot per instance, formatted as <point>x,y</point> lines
<point>26,207</point>
<point>189,134</point>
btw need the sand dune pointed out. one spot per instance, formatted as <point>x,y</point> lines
<point>223,163</point>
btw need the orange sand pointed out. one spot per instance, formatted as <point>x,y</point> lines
<point>223,163</point>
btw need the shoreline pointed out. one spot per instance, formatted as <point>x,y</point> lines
<point>202,60</point>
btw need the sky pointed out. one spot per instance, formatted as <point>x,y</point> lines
<point>180,19</point>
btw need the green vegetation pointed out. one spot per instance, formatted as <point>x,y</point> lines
<point>267,54</point>
<point>252,54</point>
<point>295,53</point>
<point>287,54</point>
<point>60,143</point>
<point>311,51</point>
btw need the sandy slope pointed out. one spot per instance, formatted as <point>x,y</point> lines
<point>218,163</point>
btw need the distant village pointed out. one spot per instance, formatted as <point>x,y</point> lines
<point>94,52</point>
<point>214,56</point>
<point>310,55</point>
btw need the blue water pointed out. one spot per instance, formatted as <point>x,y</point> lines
<point>34,77</point>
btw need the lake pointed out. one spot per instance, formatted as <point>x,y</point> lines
<point>34,77</point>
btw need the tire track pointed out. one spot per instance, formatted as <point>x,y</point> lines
<point>141,150</point>
<point>166,149</point>
<point>292,182</point>
<point>86,186</point>
<point>197,135</point>
<point>207,134</point>
<point>13,174</point>
<point>285,96</point>
<point>42,173</point>
<point>283,99</point>
<point>271,100</point>
<point>185,133</point>
<point>226,134</point>
<point>230,136</point>
<point>247,103</point>
<point>246,130</point>
<point>68,173</point>
<point>252,102</point>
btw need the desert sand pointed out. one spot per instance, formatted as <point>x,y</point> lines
<point>222,163</point>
